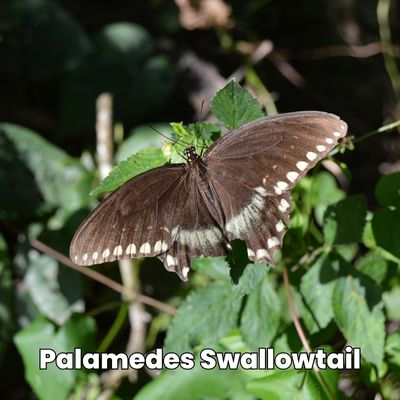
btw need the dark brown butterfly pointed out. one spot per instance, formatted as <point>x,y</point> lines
<point>240,188</point>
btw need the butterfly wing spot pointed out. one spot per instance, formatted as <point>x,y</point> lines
<point>280,187</point>
<point>261,191</point>
<point>262,255</point>
<point>301,165</point>
<point>329,140</point>
<point>185,271</point>
<point>131,249</point>
<point>76,258</point>
<point>160,246</point>
<point>273,242</point>
<point>250,253</point>
<point>85,257</point>
<point>292,176</point>
<point>165,229</point>
<point>311,156</point>
<point>171,261</point>
<point>95,256</point>
<point>106,253</point>
<point>145,249</point>
<point>118,251</point>
<point>283,205</point>
<point>280,226</point>
<point>336,134</point>
<point>321,148</point>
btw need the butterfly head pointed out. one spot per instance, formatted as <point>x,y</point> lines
<point>190,153</point>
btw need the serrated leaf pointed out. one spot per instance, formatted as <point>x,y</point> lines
<point>344,221</point>
<point>234,106</point>
<point>215,267</point>
<point>261,316</point>
<point>387,190</point>
<point>53,383</point>
<point>249,280</point>
<point>205,316</point>
<point>386,230</point>
<point>373,265</point>
<point>358,312</point>
<point>140,162</point>
<point>291,384</point>
<point>392,348</point>
<point>43,284</point>
<point>391,300</point>
<point>317,286</point>
<point>196,384</point>
<point>142,137</point>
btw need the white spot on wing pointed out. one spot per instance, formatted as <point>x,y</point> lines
<point>95,255</point>
<point>280,226</point>
<point>84,258</point>
<point>185,271</point>
<point>131,249</point>
<point>338,134</point>
<point>200,237</point>
<point>160,245</point>
<point>321,148</point>
<point>311,156</point>
<point>145,248</point>
<point>262,254</point>
<point>273,242</point>
<point>283,205</point>
<point>171,261</point>
<point>118,251</point>
<point>301,165</point>
<point>261,191</point>
<point>292,176</point>
<point>76,258</point>
<point>250,253</point>
<point>329,140</point>
<point>280,187</point>
<point>106,253</point>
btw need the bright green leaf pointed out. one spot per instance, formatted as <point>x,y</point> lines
<point>143,161</point>
<point>215,267</point>
<point>344,221</point>
<point>261,316</point>
<point>392,348</point>
<point>358,312</point>
<point>250,279</point>
<point>373,265</point>
<point>391,300</point>
<point>234,106</point>
<point>317,286</point>
<point>205,316</point>
<point>53,383</point>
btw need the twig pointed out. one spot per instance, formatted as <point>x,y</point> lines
<point>97,276</point>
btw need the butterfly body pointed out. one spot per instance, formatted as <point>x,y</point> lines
<point>240,188</point>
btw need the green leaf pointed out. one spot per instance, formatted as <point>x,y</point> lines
<point>358,312</point>
<point>195,384</point>
<point>234,106</point>
<point>261,316</point>
<point>6,299</point>
<point>62,181</point>
<point>344,221</point>
<point>392,348</point>
<point>215,267</point>
<point>249,280</point>
<point>141,137</point>
<point>317,286</point>
<point>53,383</point>
<point>373,265</point>
<point>205,316</point>
<point>387,190</point>
<point>43,283</point>
<point>289,384</point>
<point>391,300</point>
<point>386,229</point>
<point>143,161</point>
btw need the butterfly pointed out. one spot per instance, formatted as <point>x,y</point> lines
<point>238,189</point>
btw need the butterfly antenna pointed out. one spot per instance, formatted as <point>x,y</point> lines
<point>162,134</point>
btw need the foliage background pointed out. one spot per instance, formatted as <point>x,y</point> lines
<point>160,60</point>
